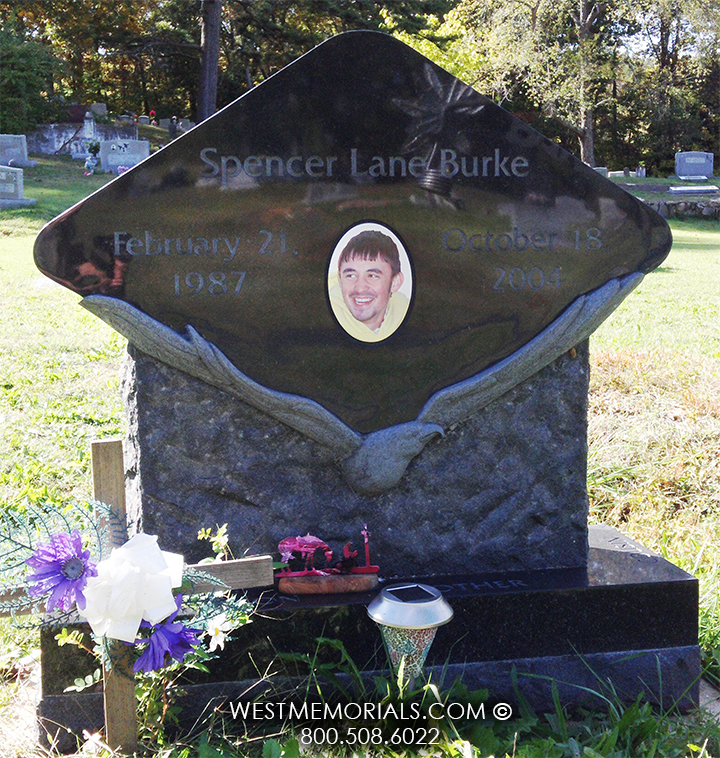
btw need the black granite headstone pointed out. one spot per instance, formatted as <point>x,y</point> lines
<point>362,293</point>
<point>369,252</point>
<point>232,228</point>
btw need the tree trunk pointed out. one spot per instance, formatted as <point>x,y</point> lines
<point>143,84</point>
<point>585,19</point>
<point>587,138</point>
<point>210,56</point>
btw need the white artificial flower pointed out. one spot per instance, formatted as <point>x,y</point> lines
<point>217,628</point>
<point>134,583</point>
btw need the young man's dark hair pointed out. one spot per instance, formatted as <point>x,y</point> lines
<point>370,245</point>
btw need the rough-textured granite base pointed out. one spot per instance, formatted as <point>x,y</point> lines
<point>503,491</point>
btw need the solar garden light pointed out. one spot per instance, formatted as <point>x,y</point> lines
<point>408,616</point>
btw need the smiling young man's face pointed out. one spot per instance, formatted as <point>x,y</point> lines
<point>366,286</point>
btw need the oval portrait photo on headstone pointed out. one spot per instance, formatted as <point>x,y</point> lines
<point>369,282</point>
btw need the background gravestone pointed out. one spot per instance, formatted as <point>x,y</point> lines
<point>128,153</point>
<point>13,151</point>
<point>694,165</point>
<point>11,188</point>
<point>183,124</point>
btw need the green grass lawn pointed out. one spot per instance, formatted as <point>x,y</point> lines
<point>654,437</point>
<point>655,392</point>
<point>59,383</point>
<point>57,183</point>
<point>677,307</point>
<point>59,366</point>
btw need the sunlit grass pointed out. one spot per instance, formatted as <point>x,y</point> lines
<point>59,383</point>
<point>654,434</point>
<point>57,182</point>
<point>677,307</point>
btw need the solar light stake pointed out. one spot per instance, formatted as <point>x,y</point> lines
<point>408,616</point>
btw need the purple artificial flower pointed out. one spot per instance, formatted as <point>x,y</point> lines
<point>62,569</point>
<point>171,637</point>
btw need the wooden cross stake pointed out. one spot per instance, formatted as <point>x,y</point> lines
<point>108,471</point>
<point>119,685</point>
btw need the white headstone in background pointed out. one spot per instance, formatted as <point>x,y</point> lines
<point>695,189</point>
<point>13,151</point>
<point>89,126</point>
<point>693,166</point>
<point>122,153</point>
<point>11,188</point>
<point>99,109</point>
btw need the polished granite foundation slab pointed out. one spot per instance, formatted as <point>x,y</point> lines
<point>627,598</point>
<point>631,617</point>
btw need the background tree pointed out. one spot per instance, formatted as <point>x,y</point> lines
<point>255,38</point>
<point>156,66</point>
<point>134,55</point>
<point>26,76</point>
<point>613,80</point>
<point>547,60</point>
<point>164,55</point>
<point>669,87</point>
<point>209,59</point>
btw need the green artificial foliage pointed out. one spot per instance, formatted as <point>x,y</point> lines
<point>23,529</point>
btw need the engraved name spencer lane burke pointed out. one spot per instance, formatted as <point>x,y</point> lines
<point>228,167</point>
